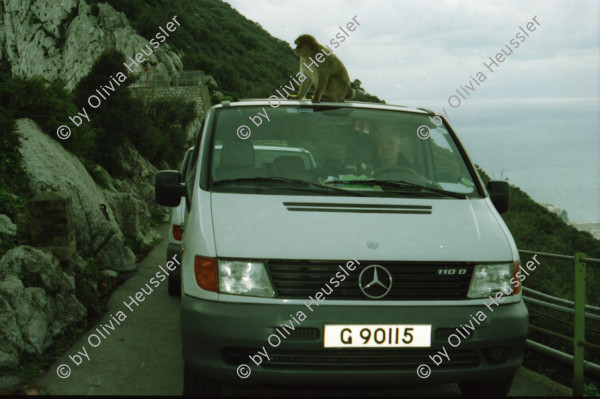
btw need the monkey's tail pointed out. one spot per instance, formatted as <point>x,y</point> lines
<point>350,94</point>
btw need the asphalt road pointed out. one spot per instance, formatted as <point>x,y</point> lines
<point>142,355</point>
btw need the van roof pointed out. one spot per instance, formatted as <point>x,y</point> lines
<point>265,102</point>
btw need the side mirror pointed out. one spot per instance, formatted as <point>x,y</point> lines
<point>498,194</point>
<point>168,188</point>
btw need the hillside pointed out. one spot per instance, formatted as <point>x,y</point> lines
<point>243,58</point>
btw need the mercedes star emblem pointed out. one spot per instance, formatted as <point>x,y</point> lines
<point>375,281</point>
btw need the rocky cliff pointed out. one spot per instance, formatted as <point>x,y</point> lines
<point>561,213</point>
<point>63,39</point>
<point>38,299</point>
<point>43,294</point>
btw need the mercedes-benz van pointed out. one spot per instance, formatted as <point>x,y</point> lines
<point>367,256</point>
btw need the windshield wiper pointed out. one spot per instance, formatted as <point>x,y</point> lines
<point>402,184</point>
<point>289,181</point>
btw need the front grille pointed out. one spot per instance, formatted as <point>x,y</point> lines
<point>410,280</point>
<point>304,334</point>
<point>357,359</point>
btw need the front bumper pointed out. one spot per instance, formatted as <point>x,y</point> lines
<point>218,336</point>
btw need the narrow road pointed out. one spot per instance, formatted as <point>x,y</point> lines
<point>142,355</point>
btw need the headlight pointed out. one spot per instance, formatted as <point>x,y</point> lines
<point>244,278</point>
<point>488,279</point>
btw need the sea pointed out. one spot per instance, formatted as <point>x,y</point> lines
<point>550,148</point>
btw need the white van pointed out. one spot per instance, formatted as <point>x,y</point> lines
<point>352,259</point>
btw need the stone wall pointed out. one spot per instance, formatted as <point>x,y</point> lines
<point>189,93</point>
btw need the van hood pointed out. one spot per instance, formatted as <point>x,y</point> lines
<point>334,228</point>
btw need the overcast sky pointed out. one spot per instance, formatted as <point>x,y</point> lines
<point>543,97</point>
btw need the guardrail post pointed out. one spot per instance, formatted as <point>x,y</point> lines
<point>579,328</point>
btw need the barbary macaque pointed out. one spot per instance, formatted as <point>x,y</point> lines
<point>324,69</point>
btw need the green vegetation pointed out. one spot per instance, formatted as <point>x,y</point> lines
<point>535,228</point>
<point>244,58</point>
<point>50,106</point>
<point>160,137</point>
<point>12,199</point>
<point>157,217</point>
<point>101,179</point>
<point>14,187</point>
<point>171,116</point>
<point>361,95</point>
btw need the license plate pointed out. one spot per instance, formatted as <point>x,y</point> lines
<point>377,336</point>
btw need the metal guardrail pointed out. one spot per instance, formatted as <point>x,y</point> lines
<point>559,308</point>
<point>562,357</point>
<point>559,300</point>
<point>578,309</point>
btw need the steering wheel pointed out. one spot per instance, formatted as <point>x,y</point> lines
<point>394,169</point>
<point>446,174</point>
<point>406,173</point>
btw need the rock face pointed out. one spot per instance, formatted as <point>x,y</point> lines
<point>63,39</point>
<point>133,216</point>
<point>50,166</point>
<point>7,226</point>
<point>39,299</point>
<point>37,302</point>
<point>131,198</point>
<point>561,213</point>
<point>11,339</point>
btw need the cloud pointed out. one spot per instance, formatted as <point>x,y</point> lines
<point>540,104</point>
<point>421,45</point>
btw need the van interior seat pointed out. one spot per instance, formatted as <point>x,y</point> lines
<point>289,166</point>
<point>237,160</point>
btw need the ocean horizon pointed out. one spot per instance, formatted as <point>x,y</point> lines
<point>549,148</point>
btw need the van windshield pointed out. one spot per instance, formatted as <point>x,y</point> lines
<point>323,150</point>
